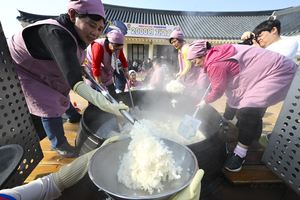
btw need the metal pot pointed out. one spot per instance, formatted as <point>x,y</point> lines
<point>210,152</point>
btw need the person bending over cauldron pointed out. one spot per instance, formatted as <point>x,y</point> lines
<point>132,82</point>
<point>102,56</point>
<point>48,56</point>
<point>252,78</point>
<point>193,78</point>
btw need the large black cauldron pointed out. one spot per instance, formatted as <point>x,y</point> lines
<point>210,152</point>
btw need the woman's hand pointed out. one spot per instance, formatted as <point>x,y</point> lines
<point>98,79</point>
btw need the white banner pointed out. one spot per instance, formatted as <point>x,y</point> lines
<point>149,31</point>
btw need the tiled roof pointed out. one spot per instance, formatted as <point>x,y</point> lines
<point>290,21</point>
<point>194,25</point>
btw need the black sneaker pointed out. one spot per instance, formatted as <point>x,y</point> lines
<point>234,163</point>
<point>75,119</point>
<point>66,150</point>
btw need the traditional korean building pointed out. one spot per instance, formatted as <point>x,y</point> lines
<point>149,29</point>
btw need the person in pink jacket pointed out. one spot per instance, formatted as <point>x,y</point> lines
<point>192,77</point>
<point>157,80</point>
<point>252,78</point>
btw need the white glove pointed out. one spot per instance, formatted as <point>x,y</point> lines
<point>178,74</point>
<point>70,174</point>
<point>96,98</point>
<point>201,104</point>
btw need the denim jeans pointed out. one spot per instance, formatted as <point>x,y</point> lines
<point>55,130</point>
<point>54,127</point>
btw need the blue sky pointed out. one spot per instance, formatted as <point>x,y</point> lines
<point>9,8</point>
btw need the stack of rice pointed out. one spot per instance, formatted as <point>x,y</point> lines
<point>175,86</point>
<point>147,163</point>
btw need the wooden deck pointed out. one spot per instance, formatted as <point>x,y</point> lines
<point>52,161</point>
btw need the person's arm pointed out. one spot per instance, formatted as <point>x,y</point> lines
<point>124,63</point>
<point>61,47</point>
<point>188,63</point>
<point>40,189</point>
<point>51,186</point>
<point>97,51</point>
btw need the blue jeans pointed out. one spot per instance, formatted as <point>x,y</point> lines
<point>54,127</point>
<point>54,130</point>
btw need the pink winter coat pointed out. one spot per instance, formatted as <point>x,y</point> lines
<point>249,76</point>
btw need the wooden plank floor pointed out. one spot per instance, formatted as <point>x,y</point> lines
<point>52,161</point>
<point>253,170</point>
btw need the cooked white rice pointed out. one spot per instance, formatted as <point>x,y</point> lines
<point>175,86</point>
<point>147,163</point>
<point>161,125</point>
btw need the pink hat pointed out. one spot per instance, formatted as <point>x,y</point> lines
<point>197,49</point>
<point>177,34</point>
<point>115,36</point>
<point>94,7</point>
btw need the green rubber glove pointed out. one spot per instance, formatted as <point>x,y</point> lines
<point>192,191</point>
<point>96,98</point>
<point>70,174</point>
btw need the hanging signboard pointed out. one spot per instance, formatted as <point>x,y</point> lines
<point>150,31</point>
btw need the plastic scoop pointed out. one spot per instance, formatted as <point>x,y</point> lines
<point>189,126</point>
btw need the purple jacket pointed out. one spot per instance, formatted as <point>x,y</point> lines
<point>45,89</point>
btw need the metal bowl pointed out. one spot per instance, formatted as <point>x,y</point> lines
<point>104,165</point>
